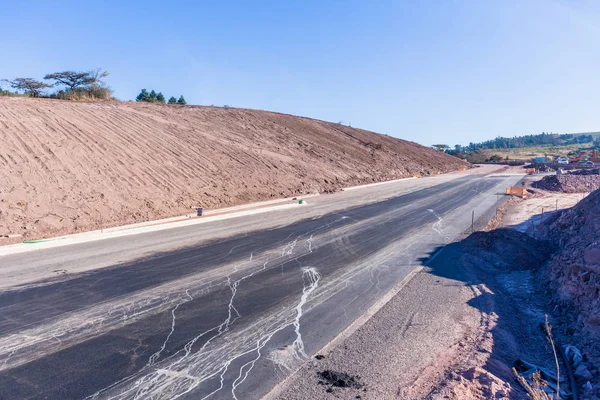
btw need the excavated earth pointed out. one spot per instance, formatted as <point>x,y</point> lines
<point>575,182</point>
<point>574,272</point>
<point>67,167</point>
<point>557,273</point>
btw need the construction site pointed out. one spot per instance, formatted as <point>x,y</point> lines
<point>316,254</point>
<point>282,200</point>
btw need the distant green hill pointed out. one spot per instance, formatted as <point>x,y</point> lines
<point>550,140</point>
<point>594,134</point>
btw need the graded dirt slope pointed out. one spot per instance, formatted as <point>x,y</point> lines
<point>67,167</point>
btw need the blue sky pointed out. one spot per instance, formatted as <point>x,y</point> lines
<point>428,71</point>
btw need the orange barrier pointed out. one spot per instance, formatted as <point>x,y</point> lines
<point>516,191</point>
<point>530,170</point>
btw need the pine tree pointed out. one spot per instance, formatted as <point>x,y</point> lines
<point>143,96</point>
<point>152,95</point>
<point>181,101</point>
<point>172,100</point>
<point>160,97</point>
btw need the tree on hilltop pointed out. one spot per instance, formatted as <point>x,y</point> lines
<point>28,85</point>
<point>153,97</point>
<point>441,147</point>
<point>143,96</point>
<point>74,80</point>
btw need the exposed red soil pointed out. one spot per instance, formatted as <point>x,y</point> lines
<point>563,282</point>
<point>69,166</point>
<point>576,182</point>
<point>574,275</point>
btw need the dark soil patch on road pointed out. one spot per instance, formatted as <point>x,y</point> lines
<point>340,379</point>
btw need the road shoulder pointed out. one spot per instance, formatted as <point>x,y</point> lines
<point>454,331</point>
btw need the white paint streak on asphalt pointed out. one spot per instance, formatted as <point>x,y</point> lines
<point>438,225</point>
<point>85,324</point>
<point>179,374</point>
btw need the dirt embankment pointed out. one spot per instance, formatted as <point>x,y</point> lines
<point>574,271</point>
<point>557,274</point>
<point>67,167</point>
<point>504,264</point>
<point>575,182</point>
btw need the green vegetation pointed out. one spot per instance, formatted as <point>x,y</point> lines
<point>537,150</point>
<point>77,80</point>
<point>154,97</point>
<point>527,147</point>
<point>441,147</point>
<point>4,92</point>
<point>90,93</point>
<point>143,96</point>
<point>29,86</point>
<point>76,85</point>
<point>547,140</point>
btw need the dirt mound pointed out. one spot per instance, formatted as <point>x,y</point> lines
<point>72,166</point>
<point>595,171</point>
<point>575,268</point>
<point>579,182</point>
<point>505,249</point>
<point>573,275</point>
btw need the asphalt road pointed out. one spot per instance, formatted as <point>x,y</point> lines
<point>219,314</point>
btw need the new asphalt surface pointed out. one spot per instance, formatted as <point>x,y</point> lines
<point>228,316</point>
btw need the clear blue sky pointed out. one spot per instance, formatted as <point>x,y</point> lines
<point>429,71</point>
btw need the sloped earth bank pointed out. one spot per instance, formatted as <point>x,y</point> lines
<point>574,274</point>
<point>566,286</point>
<point>71,166</point>
<point>460,325</point>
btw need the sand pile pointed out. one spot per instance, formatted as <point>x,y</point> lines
<point>71,166</point>
<point>576,182</point>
